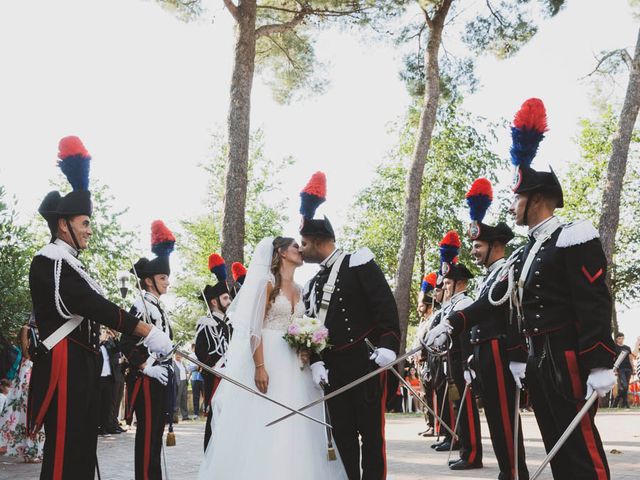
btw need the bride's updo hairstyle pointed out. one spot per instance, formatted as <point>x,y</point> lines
<point>280,244</point>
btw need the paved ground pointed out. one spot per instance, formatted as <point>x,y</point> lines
<point>410,457</point>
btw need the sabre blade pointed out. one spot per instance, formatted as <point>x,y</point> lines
<point>349,386</point>
<point>212,371</point>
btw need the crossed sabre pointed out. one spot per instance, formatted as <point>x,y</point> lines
<point>357,381</point>
<point>574,423</point>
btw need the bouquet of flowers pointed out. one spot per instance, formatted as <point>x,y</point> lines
<point>307,335</point>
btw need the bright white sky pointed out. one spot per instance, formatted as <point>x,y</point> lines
<point>144,90</point>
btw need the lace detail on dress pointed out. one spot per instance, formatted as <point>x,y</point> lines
<point>279,316</point>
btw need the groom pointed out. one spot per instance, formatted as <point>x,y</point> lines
<point>359,306</point>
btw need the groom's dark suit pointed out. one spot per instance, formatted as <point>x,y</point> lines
<point>362,306</point>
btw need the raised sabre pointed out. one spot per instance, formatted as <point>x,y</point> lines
<point>416,395</point>
<point>574,423</point>
<point>357,381</point>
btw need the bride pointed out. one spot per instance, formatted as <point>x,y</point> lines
<point>241,447</point>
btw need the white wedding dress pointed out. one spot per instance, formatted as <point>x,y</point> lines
<point>241,447</point>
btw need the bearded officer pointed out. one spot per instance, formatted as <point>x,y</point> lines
<point>213,333</point>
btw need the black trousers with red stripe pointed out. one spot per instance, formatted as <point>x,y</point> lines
<point>444,407</point>
<point>357,416</point>
<point>557,389</point>
<point>469,433</point>
<point>498,388</point>
<point>71,420</point>
<point>149,406</point>
<point>211,383</point>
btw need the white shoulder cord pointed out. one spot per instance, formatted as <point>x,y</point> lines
<point>57,271</point>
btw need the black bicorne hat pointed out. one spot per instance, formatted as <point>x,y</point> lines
<point>457,271</point>
<point>211,292</point>
<point>146,268</point>
<point>74,161</point>
<point>488,233</point>
<point>528,180</point>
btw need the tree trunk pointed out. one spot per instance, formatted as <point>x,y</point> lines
<point>407,254</point>
<point>235,196</point>
<point>610,214</point>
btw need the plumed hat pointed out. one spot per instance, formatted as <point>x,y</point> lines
<point>74,161</point>
<point>162,244</point>
<point>527,131</point>
<point>218,267</point>
<point>479,198</point>
<point>311,197</point>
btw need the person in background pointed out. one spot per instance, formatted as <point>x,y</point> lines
<point>4,391</point>
<point>414,381</point>
<point>14,438</point>
<point>624,373</point>
<point>181,387</point>
<point>197,384</point>
<point>106,388</point>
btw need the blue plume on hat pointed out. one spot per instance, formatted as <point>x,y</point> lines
<point>429,282</point>
<point>449,247</point>
<point>529,125</point>
<point>479,197</point>
<point>74,162</point>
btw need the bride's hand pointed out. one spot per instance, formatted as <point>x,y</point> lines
<point>262,379</point>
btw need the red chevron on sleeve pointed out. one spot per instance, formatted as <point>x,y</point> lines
<point>591,278</point>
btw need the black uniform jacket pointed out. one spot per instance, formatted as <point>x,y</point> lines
<point>487,322</point>
<point>565,287</point>
<point>79,298</point>
<point>208,348</point>
<point>362,305</point>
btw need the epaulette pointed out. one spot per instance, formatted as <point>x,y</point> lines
<point>150,308</point>
<point>362,256</point>
<point>576,233</point>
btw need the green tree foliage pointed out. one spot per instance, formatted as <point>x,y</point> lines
<point>200,235</point>
<point>584,183</point>
<point>17,246</point>
<point>459,153</point>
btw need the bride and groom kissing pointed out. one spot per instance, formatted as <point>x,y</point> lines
<point>352,298</point>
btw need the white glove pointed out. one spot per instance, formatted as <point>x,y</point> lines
<point>437,336</point>
<point>159,372</point>
<point>518,370</point>
<point>383,356</point>
<point>600,380</point>
<point>320,374</point>
<point>158,342</point>
<point>469,375</point>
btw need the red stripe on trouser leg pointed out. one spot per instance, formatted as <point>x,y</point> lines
<point>472,427</point>
<point>383,404</point>
<point>585,423</point>
<point>61,421</point>
<point>505,409</point>
<point>134,396</point>
<point>147,426</point>
<point>54,376</point>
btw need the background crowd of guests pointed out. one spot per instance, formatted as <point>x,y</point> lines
<point>15,373</point>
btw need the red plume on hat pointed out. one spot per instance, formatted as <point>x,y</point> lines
<point>218,267</point>
<point>238,271</point>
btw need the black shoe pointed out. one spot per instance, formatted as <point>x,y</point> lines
<point>443,447</point>
<point>462,464</point>
<point>113,432</point>
<point>101,432</point>
<point>120,429</point>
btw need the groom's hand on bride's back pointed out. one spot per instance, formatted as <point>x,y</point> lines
<point>262,379</point>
